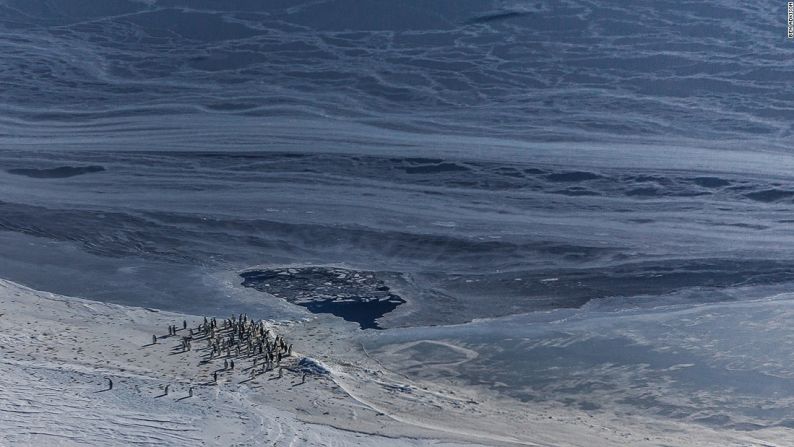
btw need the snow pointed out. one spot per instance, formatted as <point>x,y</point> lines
<point>57,354</point>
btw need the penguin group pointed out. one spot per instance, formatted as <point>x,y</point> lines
<point>237,337</point>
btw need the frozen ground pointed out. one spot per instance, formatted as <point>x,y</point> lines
<point>58,353</point>
<point>585,205</point>
<point>699,376</point>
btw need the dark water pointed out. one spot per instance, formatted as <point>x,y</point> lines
<point>357,296</point>
<point>59,172</point>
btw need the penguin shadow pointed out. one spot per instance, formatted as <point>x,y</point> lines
<point>154,342</point>
<point>109,387</point>
<point>301,382</point>
<point>183,398</point>
<point>165,393</point>
<point>249,368</point>
<point>176,350</point>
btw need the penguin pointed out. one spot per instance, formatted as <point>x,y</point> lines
<point>166,389</point>
<point>110,383</point>
<point>225,364</point>
<point>215,377</point>
<point>190,392</point>
<point>231,364</point>
<point>184,323</point>
<point>154,339</point>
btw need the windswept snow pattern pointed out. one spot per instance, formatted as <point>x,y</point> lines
<point>611,181</point>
